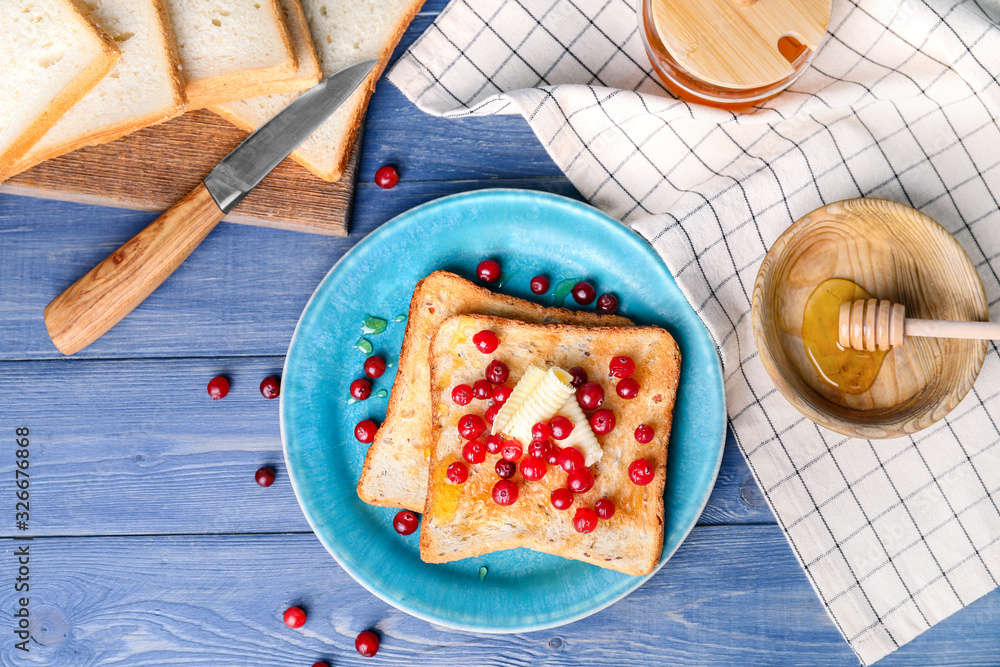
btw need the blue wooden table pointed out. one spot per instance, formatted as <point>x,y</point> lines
<point>154,546</point>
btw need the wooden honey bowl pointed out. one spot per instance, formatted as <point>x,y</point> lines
<point>893,252</point>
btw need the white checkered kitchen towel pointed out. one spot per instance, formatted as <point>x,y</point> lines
<point>900,103</point>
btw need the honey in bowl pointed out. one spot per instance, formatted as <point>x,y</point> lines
<point>846,370</point>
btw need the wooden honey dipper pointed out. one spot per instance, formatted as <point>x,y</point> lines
<point>867,324</point>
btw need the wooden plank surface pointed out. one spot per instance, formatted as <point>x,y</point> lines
<point>732,595</point>
<point>154,168</point>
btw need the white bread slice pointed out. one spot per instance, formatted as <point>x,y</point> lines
<point>142,88</point>
<point>395,471</point>
<point>52,56</point>
<point>345,32</point>
<point>308,73</point>
<point>461,520</point>
<point>230,49</point>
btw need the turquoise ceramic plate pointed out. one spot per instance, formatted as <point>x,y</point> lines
<point>530,233</point>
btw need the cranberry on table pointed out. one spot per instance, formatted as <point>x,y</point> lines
<point>607,304</point>
<point>580,481</point>
<point>218,387</point>
<point>621,367</point>
<point>386,177</point>
<point>488,271</point>
<point>627,388</point>
<point>562,499</point>
<point>602,422</point>
<point>361,389</point>
<point>497,372</point>
<point>405,522</point>
<point>539,284</point>
<point>505,492</point>
<point>571,459</point>
<point>295,617</point>
<point>641,472</point>
<point>491,414</point>
<point>365,431</point>
<point>505,469</point>
<point>269,387</point>
<point>560,427</point>
<point>457,473</point>
<point>533,469</point>
<point>494,443</point>
<point>541,431</point>
<point>584,293</point>
<point>367,644</point>
<point>482,389</point>
<point>501,393</point>
<point>321,664</point>
<point>585,520</point>
<point>590,396</point>
<point>605,508</point>
<point>374,367</point>
<point>462,394</point>
<point>264,476</point>
<point>511,450</point>
<point>579,377</point>
<point>644,434</point>
<point>486,341</point>
<point>474,451</point>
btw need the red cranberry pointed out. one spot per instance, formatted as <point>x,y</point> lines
<point>488,271</point>
<point>405,522</point>
<point>605,508</point>
<point>497,372</point>
<point>367,644</point>
<point>365,431</point>
<point>457,473</point>
<point>621,367</point>
<point>505,469</point>
<point>561,427</point>
<point>627,388</point>
<point>539,449</point>
<point>602,422</point>
<point>644,434</point>
<point>541,431</point>
<point>571,459</point>
<point>539,284</point>
<point>501,393</point>
<point>374,367</point>
<point>361,389</point>
<point>579,377</point>
<point>511,450</point>
<point>474,451</point>
<point>584,293</point>
<point>295,617</point>
<point>462,394</point>
<point>491,414</point>
<point>551,455</point>
<point>533,469</point>
<point>486,341</point>
<point>386,177</point>
<point>590,396</point>
<point>264,476</point>
<point>218,387</point>
<point>505,492</point>
<point>269,387</point>
<point>494,443</point>
<point>482,389</point>
<point>562,499</point>
<point>321,664</point>
<point>641,472</point>
<point>580,481</point>
<point>585,520</point>
<point>471,427</point>
<point>607,304</point>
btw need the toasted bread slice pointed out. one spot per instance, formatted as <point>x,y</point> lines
<point>462,520</point>
<point>395,472</point>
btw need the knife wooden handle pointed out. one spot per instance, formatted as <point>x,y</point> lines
<point>99,300</point>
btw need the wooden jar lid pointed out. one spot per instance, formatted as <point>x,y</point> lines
<point>735,43</point>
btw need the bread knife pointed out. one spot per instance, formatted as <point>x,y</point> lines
<point>88,308</point>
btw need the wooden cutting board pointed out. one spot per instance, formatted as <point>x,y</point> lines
<point>154,168</point>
